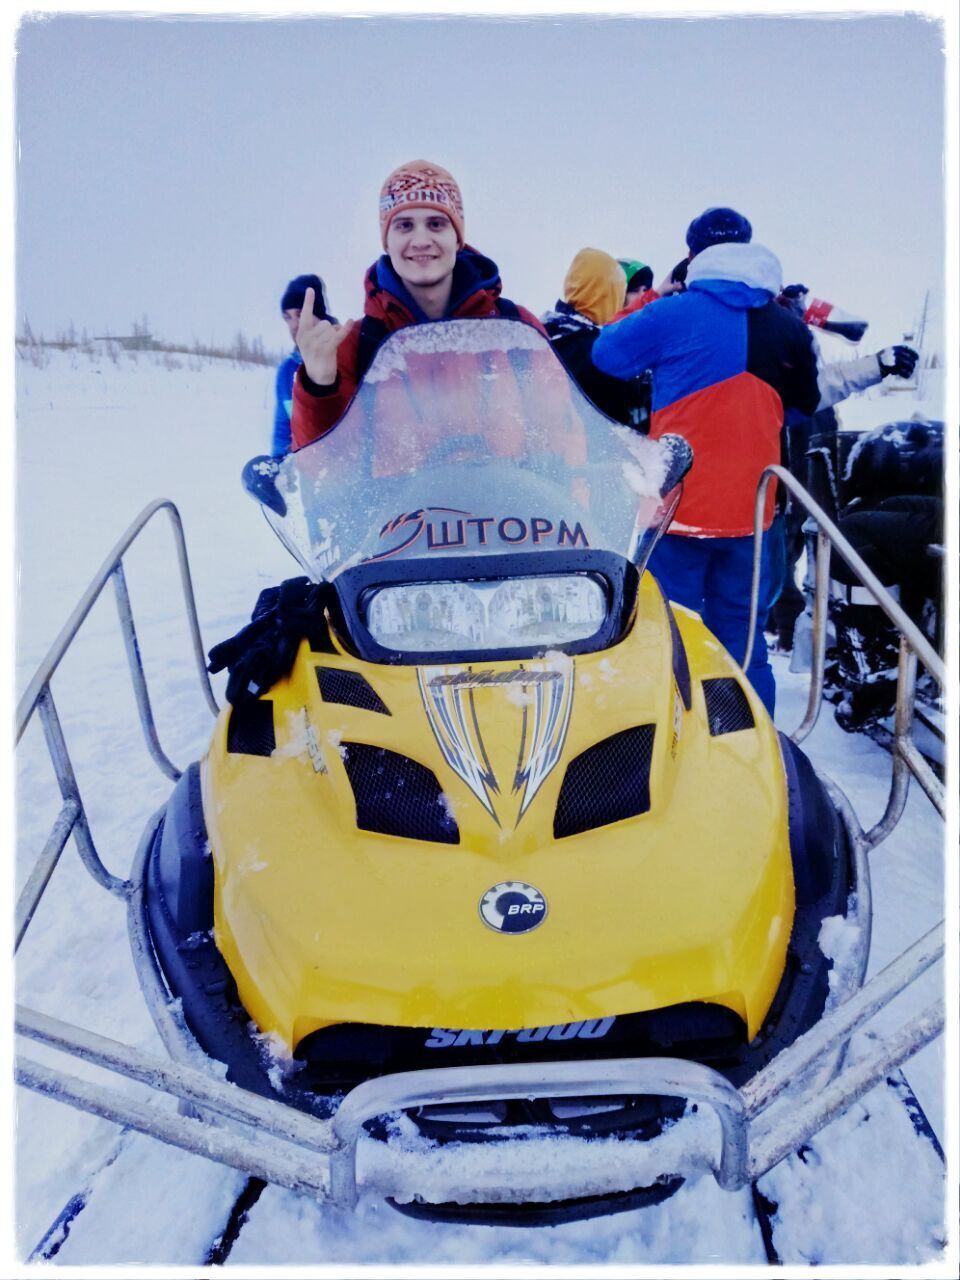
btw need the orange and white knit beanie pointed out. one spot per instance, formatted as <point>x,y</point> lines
<point>421,185</point>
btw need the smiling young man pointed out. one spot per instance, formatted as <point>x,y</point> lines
<point>427,273</point>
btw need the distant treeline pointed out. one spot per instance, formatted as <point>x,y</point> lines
<point>242,350</point>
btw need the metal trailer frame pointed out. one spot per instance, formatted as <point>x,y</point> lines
<point>914,644</point>
<point>779,1109</point>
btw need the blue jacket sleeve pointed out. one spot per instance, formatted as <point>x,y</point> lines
<point>280,444</point>
<point>631,345</point>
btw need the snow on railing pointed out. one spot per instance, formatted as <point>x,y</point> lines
<point>318,1157</point>
<point>38,697</point>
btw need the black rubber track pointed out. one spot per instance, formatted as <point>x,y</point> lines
<point>219,1251</point>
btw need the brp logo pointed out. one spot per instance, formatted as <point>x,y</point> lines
<point>513,907</point>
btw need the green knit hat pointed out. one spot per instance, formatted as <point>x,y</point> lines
<point>633,267</point>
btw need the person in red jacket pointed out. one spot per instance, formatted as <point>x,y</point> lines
<point>640,290</point>
<point>427,273</point>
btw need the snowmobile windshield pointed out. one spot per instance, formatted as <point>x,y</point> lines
<point>467,438</point>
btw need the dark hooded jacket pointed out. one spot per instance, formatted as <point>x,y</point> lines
<point>389,306</point>
<point>572,336</point>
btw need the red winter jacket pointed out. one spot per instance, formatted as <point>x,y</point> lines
<point>388,307</point>
<point>636,304</point>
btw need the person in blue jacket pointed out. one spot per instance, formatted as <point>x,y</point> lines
<point>291,305</point>
<point>726,362</point>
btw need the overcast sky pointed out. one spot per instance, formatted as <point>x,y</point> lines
<point>186,169</point>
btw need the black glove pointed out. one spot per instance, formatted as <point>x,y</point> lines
<point>264,651</point>
<point>793,296</point>
<point>259,477</point>
<point>897,362</point>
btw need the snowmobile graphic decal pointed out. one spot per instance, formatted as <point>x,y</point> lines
<point>453,719</point>
<point>484,679</point>
<point>544,733</point>
<point>543,702</point>
<point>450,529</point>
<point>513,907</point>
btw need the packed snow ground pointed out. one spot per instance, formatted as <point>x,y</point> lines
<point>97,440</point>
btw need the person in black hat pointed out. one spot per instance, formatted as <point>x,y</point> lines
<point>291,305</point>
<point>717,225</point>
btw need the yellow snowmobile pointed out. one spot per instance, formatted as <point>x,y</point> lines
<point>508,804</point>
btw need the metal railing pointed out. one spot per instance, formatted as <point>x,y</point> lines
<point>760,1123</point>
<point>38,696</point>
<point>914,644</point>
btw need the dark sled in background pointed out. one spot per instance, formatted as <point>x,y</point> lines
<point>889,501</point>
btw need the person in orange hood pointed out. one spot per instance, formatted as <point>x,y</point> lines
<point>595,285</point>
<point>427,273</point>
<point>592,292</point>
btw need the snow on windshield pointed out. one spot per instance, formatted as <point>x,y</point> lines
<point>452,339</point>
<point>469,437</point>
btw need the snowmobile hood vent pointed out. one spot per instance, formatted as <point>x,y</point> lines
<point>396,796</point>
<point>606,783</point>
<point>250,731</point>
<point>350,689</point>
<point>727,707</point>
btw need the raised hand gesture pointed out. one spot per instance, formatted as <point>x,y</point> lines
<point>318,341</point>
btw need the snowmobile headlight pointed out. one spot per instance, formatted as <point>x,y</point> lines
<point>426,616</point>
<point>483,616</point>
<point>548,611</point>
